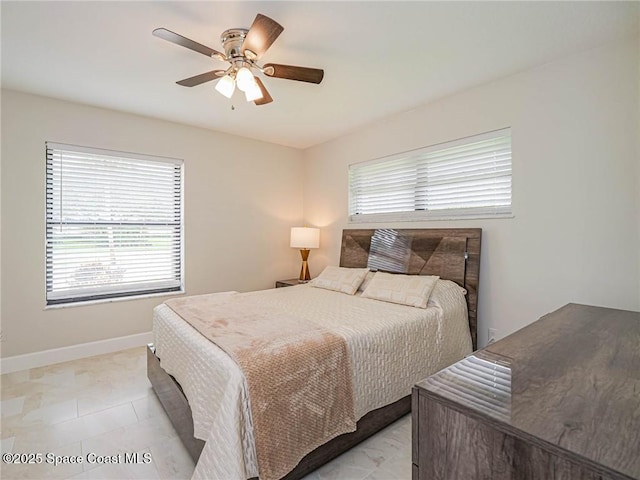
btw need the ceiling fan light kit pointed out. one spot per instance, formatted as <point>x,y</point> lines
<point>243,48</point>
<point>226,86</point>
<point>253,91</point>
<point>244,79</point>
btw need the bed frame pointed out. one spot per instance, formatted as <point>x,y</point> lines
<point>452,254</point>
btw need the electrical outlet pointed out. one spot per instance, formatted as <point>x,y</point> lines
<point>492,336</point>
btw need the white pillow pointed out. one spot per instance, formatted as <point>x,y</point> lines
<point>444,291</point>
<point>365,282</point>
<point>340,279</point>
<point>411,290</point>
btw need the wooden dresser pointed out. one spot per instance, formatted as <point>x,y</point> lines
<point>559,399</point>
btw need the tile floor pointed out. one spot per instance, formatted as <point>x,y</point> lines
<point>104,405</point>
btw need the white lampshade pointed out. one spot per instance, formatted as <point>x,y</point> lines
<point>226,85</point>
<point>305,237</point>
<point>253,92</point>
<point>244,79</point>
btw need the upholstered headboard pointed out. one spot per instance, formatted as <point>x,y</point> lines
<point>451,253</point>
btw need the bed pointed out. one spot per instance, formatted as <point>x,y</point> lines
<point>180,362</point>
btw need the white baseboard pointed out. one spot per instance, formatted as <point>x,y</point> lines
<point>73,352</point>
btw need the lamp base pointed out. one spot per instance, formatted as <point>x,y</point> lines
<point>304,271</point>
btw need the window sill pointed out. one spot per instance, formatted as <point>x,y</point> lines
<point>410,217</point>
<point>110,300</point>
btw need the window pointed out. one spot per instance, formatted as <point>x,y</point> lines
<point>470,177</point>
<point>114,224</point>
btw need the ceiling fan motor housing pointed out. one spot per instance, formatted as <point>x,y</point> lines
<point>232,40</point>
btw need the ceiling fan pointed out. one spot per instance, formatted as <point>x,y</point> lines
<point>243,48</point>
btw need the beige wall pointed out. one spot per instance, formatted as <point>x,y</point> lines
<point>241,198</point>
<point>575,235</point>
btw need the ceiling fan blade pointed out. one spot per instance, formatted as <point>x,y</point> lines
<point>266,98</point>
<point>301,74</point>
<point>202,78</point>
<point>261,35</point>
<point>185,42</point>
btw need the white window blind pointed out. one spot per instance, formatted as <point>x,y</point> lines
<point>470,177</point>
<point>114,224</point>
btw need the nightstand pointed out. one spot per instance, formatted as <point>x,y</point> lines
<point>287,283</point>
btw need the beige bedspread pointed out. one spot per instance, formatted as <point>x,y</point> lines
<point>391,347</point>
<point>290,363</point>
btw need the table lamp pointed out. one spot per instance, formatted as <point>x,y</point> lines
<point>305,238</point>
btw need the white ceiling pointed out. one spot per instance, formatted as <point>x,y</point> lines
<point>379,58</point>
